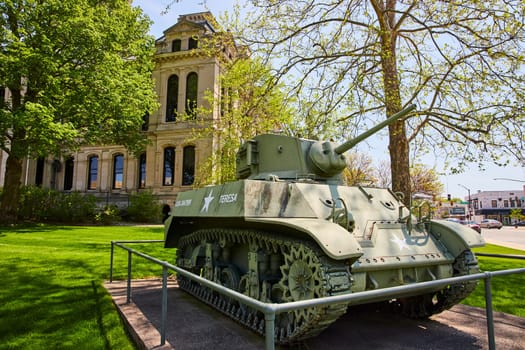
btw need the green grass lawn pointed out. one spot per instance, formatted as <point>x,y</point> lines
<point>52,294</point>
<point>508,292</point>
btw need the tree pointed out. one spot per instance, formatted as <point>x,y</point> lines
<point>460,62</point>
<point>425,180</point>
<point>360,170</point>
<point>250,103</point>
<point>516,214</point>
<point>78,72</point>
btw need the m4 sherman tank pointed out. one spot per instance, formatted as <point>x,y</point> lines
<point>290,230</point>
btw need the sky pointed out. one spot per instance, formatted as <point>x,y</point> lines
<point>456,185</point>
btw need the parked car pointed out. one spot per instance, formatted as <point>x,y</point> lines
<point>521,223</point>
<point>472,224</point>
<point>490,223</point>
<point>453,220</point>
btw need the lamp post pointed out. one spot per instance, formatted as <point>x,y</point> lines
<point>469,201</point>
<point>506,179</point>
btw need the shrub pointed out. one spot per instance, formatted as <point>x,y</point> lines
<point>143,207</point>
<point>108,215</point>
<point>45,205</point>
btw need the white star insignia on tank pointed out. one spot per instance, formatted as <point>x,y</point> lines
<point>401,243</point>
<point>207,201</point>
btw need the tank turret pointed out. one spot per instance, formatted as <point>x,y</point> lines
<point>271,156</point>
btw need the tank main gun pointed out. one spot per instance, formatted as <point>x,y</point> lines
<point>330,160</point>
<point>270,156</point>
<point>352,142</point>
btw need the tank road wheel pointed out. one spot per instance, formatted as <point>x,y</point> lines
<point>230,277</point>
<point>302,278</point>
<point>423,306</point>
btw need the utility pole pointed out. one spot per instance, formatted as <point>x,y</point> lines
<point>469,202</point>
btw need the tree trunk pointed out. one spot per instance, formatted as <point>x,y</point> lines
<point>399,160</point>
<point>11,192</point>
<point>398,145</point>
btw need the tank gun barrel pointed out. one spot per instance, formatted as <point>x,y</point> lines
<point>352,142</point>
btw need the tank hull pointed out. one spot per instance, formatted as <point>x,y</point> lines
<point>287,241</point>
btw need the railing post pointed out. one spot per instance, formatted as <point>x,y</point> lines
<point>488,310</point>
<point>164,305</point>
<point>269,329</point>
<point>111,262</point>
<point>128,290</point>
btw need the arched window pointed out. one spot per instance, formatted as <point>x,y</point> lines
<point>118,171</point>
<point>175,45</point>
<point>93,172</point>
<point>171,98</point>
<point>192,43</point>
<point>191,93</point>
<point>188,165</point>
<point>169,166</point>
<point>142,170</point>
<point>69,167</point>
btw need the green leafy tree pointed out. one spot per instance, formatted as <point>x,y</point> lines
<point>516,214</point>
<point>251,103</point>
<point>78,72</point>
<point>347,60</point>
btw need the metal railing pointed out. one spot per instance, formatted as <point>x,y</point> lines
<point>270,309</point>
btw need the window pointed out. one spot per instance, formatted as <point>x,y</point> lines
<point>93,172</point>
<point>118,171</point>
<point>175,45</point>
<point>169,166</point>
<point>171,98</point>
<point>142,170</point>
<point>494,203</point>
<point>39,176</point>
<point>191,93</point>
<point>188,166</point>
<point>68,173</point>
<point>192,43</point>
<point>506,203</point>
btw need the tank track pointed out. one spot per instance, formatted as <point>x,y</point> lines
<point>300,260</point>
<point>423,306</point>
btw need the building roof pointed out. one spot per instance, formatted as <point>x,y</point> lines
<point>194,21</point>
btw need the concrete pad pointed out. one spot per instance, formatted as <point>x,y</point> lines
<point>194,325</point>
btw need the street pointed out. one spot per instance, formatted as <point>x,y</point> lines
<point>507,236</point>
